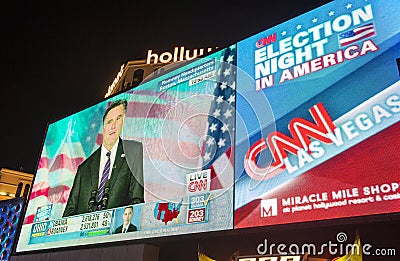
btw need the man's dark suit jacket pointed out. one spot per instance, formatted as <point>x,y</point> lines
<point>131,228</point>
<point>126,182</point>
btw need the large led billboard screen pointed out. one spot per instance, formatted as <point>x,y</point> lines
<point>169,172</point>
<point>296,123</point>
<point>318,106</point>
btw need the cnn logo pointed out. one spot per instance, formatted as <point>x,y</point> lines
<point>198,181</point>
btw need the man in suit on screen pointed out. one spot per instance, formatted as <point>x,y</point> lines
<point>113,175</point>
<point>127,226</point>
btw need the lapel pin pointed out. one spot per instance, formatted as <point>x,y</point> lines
<point>122,155</point>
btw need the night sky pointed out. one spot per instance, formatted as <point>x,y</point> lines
<point>59,58</point>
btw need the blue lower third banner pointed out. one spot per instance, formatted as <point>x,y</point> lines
<point>87,225</point>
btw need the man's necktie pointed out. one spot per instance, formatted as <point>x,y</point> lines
<point>104,177</point>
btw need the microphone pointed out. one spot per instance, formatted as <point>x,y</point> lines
<point>92,204</point>
<point>106,195</point>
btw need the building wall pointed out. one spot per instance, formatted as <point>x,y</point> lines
<point>9,182</point>
<point>137,71</point>
<point>134,72</point>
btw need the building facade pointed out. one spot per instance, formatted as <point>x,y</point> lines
<point>132,74</point>
<point>14,184</point>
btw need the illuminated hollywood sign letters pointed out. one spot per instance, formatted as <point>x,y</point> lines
<point>179,54</point>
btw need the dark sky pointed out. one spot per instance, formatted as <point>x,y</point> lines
<point>59,58</point>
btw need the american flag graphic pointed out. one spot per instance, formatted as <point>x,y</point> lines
<point>357,34</point>
<point>162,122</point>
<point>68,143</point>
<point>218,150</point>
